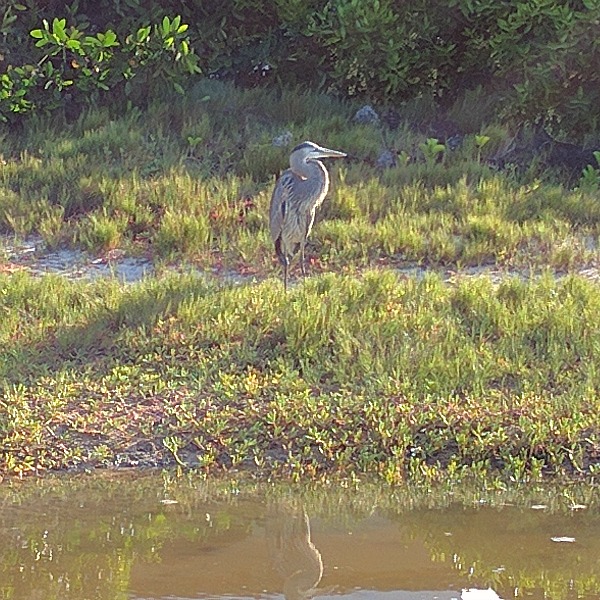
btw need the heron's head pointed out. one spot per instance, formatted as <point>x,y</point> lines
<point>310,151</point>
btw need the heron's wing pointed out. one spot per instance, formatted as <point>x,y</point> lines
<point>280,202</point>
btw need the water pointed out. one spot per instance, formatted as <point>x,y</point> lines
<point>142,537</point>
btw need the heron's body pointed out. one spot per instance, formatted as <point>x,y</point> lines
<point>298,193</point>
<point>296,199</point>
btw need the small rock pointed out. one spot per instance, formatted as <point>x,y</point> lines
<point>283,139</point>
<point>454,141</point>
<point>386,160</point>
<point>366,115</point>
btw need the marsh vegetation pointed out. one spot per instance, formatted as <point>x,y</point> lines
<point>359,368</point>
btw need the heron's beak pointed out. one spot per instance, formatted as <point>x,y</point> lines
<point>327,153</point>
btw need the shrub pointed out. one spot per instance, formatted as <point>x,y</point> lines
<point>76,68</point>
<point>538,58</point>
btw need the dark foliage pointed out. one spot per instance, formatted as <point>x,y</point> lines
<point>537,57</point>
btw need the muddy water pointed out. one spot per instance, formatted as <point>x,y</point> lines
<point>155,537</point>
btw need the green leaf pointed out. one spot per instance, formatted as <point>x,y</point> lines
<point>36,33</point>
<point>58,29</point>
<point>481,140</point>
<point>183,28</point>
<point>92,41</point>
<point>110,38</point>
<point>143,33</point>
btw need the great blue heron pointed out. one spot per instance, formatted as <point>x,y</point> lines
<point>298,193</point>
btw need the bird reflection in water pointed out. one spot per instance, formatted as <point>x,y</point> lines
<point>294,556</point>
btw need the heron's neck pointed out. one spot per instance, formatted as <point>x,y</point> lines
<point>313,170</point>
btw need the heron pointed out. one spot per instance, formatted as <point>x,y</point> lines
<point>298,193</point>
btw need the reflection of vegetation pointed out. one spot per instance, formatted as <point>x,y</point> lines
<point>71,537</point>
<point>88,532</point>
<point>508,548</point>
<point>496,539</point>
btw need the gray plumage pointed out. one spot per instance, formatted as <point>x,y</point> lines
<point>298,193</point>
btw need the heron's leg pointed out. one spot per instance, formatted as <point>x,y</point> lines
<point>302,260</point>
<point>309,223</point>
<point>285,273</point>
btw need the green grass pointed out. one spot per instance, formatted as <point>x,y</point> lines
<point>357,368</point>
<point>191,179</point>
<point>377,374</point>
